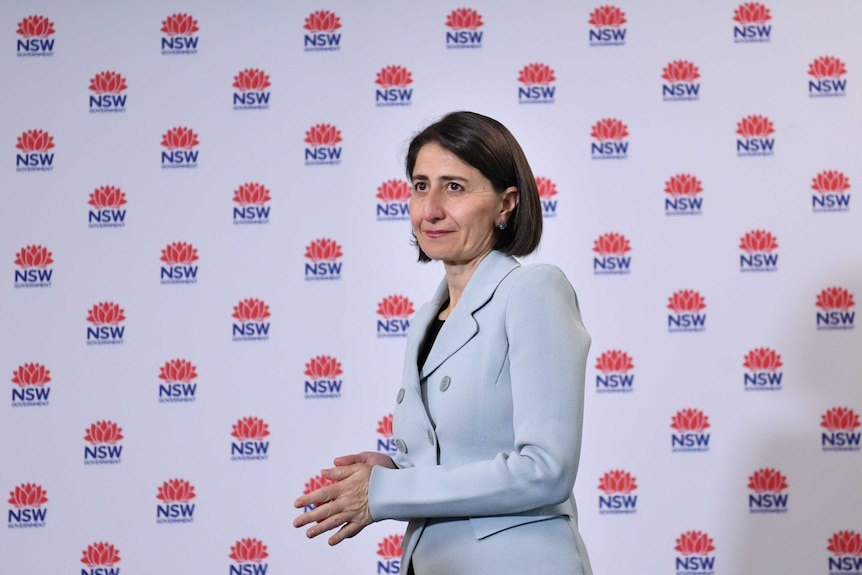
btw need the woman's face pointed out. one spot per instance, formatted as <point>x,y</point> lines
<point>454,208</point>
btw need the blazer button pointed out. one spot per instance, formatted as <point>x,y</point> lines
<point>431,436</point>
<point>444,383</point>
<point>402,447</point>
<point>400,395</point>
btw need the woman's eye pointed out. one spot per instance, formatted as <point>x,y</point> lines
<point>455,187</point>
<point>420,186</point>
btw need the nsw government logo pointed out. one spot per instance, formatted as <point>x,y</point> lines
<point>686,306</point>
<point>322,35</point>
<point>312,485</point>
<point>323,381</point>
<point>252,94</point>
<point>34,145</point>
<point>252,199</point>
<point>386,442</point>
<point>108,88</point>
<point>33,261</point>
<point>547,191</point>
<point>249,433</point>
<point>180,143</point>
<point>764,370</point>
<point>179,34</point>
<point>32,388</point>
<point>690,425</point>
<point>393,82</point>
<point>464,24</point>
<point>684,191</point>
<point>179,385</point>
<point>538,88</point>
<point>755,141</point>
<point>846,550</point>
<point>832,195</point>
<point>27,500</point>
<point>101,559</point>
<point>681,86</point>
<point>607,26</point>
<point>250,314</point>
<point>614,377</point>
<point>767,485</point>
<point>835,304</point>
<point>103,437</point>
<point>617,486</point>
<point>322,149</point>
<point>751,23</point>
<point>758,247</point>
<point>395,311</point>
<point>840,424</point>
<point>178,258</point>
<point>175,495</point>
<point>612,259</point>
<point>323,257</point>
<point>35,36</point>
<point>695,554</point>
<point>107,210</point>
<point>611,144</point>
<point>394,201</point>
<point>105,318</point>
<point>248,557</point>
<point>828,73</point>
<point>389,551</point>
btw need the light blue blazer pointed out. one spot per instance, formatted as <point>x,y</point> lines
<point>505,387</point>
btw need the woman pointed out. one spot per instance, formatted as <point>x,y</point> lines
<point>488,418</point>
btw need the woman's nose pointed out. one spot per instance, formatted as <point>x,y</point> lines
<point>432,206</point>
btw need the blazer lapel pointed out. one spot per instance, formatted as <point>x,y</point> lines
<point>460,326</point>
<point>419,326</point>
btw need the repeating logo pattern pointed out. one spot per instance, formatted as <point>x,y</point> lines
<point>835,313</point>
<point>846,550</point>
<point>752,23</point>
<point>828,77</point>
<point>101,558</point>
<point>108,96</point>
<point>323,381</point>
<point>32,388</point>
<point>612,249</point>
<point>686,307</point>
<point>178,259</point>
<point>248,556</point>
<point>35,157</point>
<point>767,485</point>
<point>393,201</point>
<point>613,375</point>
<point>27,500</point>
<point>103,437</point>
<point>832,195</point>
<point>617,486</point>
<point>105,319</point>
<point>253,204</point>
<point>607,26</point>
<point>464,24</point>
<point>690,425</point>
<point>33,261</point>
<point>250,325</point>
<point>755,136</point>
<point>323,257</point>
<point>251,90</point>
<point>386,441</point>
<point>758,247</point>
<point>250,444</point>
<point>393,90</point>
<point>611,143</point>
<point>321,33</point>
<point>179,35</point>
<point>175,495</point>
<point>547,192</point>
<point>389,551</point>
<point>680,82</point>
<point>180,145</point>
<point>537,84</point>
<point>179,385</point>
<point>685,196</point>
<point>394,311</point>
<point>764,370</point>
<point>695,553</point>
<point>840,425</point>
<point>35,36</point>
<point>107,210</point>
<point>322,149</point>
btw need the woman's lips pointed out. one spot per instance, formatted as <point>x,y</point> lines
<point>434,234</point>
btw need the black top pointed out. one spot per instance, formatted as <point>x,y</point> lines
<point>431,337</point>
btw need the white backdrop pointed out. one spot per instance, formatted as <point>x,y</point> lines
<point>209,269</point>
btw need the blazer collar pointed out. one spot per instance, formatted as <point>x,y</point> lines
<point>460,326</point>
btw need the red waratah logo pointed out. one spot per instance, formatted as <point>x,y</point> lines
<point>686,301</point>
<point>611,244</point>
<point>840,419</point>
<point>536,75</point>
<point>108,83</point>
<point>845,543</point>
<point>752,13</point>
<point>547,188</point>
<point>105,313</point>
<point>180,138</point>
<point>607,17</point>
<point>251,309</point>
<point>609,129</point>
<point>35,27</point>
<point>835,298</point>
<point>395,306</point>
<point>103,433</point>
<point>614,361</point>
<point>762,359</point>
<point>179,25</point>
<point>384,426</point>
<point>107,197</point>
<point>251,79</point>
<point>680,71</point>
<point>694,543</point>
<point>322,21</point>
<point>617,481</point>
<point>251,194</point>
<point>394,191</point>
<point>390,547</point>
<point>248,550</point>
<point>394,77</point>
<point>464,19</point>
<point>35,141</point>
<point>758,241</point>
<point>316,483</point>
<point>179,253</point>
<point>755,127</point>
<point>323,367</point>
<point>28,495</point>
<point>176,491</point>
<point>690,421</point>
<point>250,429</point>
<point>683,185</point>
<point>322,135</point>
<point>31,374</point>
<point>178,371</point>
<point>827,67</point>
<point>33,257</point>
<point>830,182</point>
<point>101,555</point>
<point>323,250</point>
<point>767,481</point>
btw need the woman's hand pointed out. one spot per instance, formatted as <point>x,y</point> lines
<point>344,503</point>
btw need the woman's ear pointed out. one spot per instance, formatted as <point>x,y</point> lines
<point>510,202</point>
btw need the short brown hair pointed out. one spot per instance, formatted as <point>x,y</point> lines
<point>488,146</point>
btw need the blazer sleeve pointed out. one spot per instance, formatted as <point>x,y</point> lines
<point>548,347</point>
